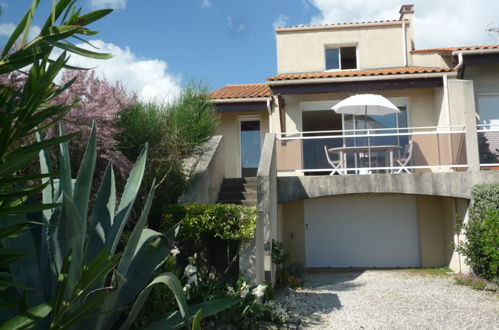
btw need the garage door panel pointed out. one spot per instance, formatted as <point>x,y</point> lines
<point>361,231</point>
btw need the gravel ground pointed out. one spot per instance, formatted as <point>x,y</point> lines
<point>389,299</point>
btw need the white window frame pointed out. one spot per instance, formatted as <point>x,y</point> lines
<point>339,46</point>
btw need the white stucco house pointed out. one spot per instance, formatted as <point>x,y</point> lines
<point>369,213</point>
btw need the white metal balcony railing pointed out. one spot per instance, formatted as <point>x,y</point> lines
<point>378,150</point>
<point>488,145</point>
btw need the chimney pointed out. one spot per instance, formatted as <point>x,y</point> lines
<point>406,12</point>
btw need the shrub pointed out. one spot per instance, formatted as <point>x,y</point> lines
<point>174,132</point>
<point>213,233</point>
<point>482,232</point>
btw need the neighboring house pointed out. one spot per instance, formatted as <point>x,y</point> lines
<point>366,214</point>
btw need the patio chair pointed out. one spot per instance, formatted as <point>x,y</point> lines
<point>335,164</point>
<point>405,159</point>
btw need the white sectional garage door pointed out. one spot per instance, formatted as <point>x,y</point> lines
<point>362,231</point>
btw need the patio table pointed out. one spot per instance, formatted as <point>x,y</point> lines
<point>387,149</point>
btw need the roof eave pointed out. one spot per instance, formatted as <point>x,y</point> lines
<point>362,78</point>
<point>242,100</point>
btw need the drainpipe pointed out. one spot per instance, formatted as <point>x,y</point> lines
<point>460,61</point>
<point>404,43</point>
<point>446,97</point>
<point>269,110</point>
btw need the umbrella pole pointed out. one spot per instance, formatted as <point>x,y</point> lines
<point>368,138</point>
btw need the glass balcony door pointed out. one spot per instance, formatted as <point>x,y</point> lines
<point>251,145</point>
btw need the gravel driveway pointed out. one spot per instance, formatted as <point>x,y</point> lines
<point>389,299</point>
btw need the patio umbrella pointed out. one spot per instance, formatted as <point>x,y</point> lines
<point>365,104</point>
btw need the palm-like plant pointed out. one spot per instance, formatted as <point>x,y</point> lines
<point>71,262</point>
<point>27,110</point>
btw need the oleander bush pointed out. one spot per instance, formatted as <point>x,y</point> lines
<point>481,247</point>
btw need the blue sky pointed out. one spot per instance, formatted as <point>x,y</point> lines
<point>161,45</point>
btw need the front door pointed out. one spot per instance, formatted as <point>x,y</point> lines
<point>251,141</point>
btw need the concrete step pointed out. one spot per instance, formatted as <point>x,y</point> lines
<point>239,180</point>
<point>230,187</point>
<point>246,202</point>
<point>234,195</point>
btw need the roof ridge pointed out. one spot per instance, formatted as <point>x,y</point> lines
<point>340,24</point>
<point>253,84</point>
<point>451,48</point>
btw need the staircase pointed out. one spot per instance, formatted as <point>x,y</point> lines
<point>238,191</point>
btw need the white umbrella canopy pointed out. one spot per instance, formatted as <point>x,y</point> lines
<point>365,104</point>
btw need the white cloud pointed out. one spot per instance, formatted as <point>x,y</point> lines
<point>281,21</point>
<point>115,4</point>
<point>437,23</point>
<point>234,25</point>
<point>149,78</point>
<point>6,30</point>
<point>204,3</point>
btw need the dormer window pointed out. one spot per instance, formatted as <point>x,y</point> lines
<point>341,58</point>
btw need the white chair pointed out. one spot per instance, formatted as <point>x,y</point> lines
<point>403,161</point>
<point>335,164</point>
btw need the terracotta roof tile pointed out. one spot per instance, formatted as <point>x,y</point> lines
<point>452,49</point>
<point>359,73</point>
<point>241,91</point>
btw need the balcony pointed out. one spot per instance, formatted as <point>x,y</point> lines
<point>370,151</point>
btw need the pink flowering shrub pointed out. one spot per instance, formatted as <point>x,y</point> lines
<point>99,101</point>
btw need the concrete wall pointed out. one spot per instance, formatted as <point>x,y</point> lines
<point>229,128</point>
<point>431,60</point>
<point>293,230</point>
<point>206,172</point>
<point>267,222</point>
<point>377,47</point>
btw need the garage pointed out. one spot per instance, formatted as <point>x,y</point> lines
<point>362,231</point>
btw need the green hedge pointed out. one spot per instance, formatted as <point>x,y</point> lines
<point>481,247</point>
<point>224,221</point>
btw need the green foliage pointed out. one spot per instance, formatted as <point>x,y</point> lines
<point>73,272</point>
<point>224,221</point>
<point>248,311</point>
<point>482,232</point>
<point>485,197</point>
<point>174,131</point>
<point>481,245</point>
<point>281,259</point>
<point>25,109</point>
<point>470,280</point>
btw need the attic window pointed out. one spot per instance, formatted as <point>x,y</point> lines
<point>341,58</point>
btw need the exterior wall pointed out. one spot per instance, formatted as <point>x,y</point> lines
<point>432,239</point>
<point>377,47</point>
<point>485,79</point>
<point>425,106</point>
<point>431,60</point>
<point>293,230</point>
<point>436,221</point>
<point>230,130</point>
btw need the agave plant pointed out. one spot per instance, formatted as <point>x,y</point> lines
<point>69,263</point>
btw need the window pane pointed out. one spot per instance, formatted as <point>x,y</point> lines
<point>348,58</point>
<point>332,59</point>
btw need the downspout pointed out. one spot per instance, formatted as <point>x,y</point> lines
<point>269,110</point>
<point>404,43</point>
<point>460,61</point>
